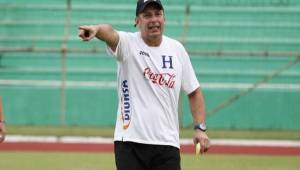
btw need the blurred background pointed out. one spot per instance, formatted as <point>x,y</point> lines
<point>245,54</point>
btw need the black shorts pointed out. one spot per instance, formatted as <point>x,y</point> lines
<point>136,156</point>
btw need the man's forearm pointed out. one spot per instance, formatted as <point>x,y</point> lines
<point>2,123</point>
<point>106,33</point>
<point>197,106</point>
<point>1,111</point>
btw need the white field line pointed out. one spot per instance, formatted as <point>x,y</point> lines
<point>252,142</point>
<point>112,84</point>
<point>101,140</point>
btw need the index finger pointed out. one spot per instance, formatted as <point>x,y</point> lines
<point>83,27</point>
<point>202,143</point>
<point>206,145</point>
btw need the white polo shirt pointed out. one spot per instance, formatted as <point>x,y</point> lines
<point>149,83</point>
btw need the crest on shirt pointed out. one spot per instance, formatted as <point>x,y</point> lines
<point>167,62</point>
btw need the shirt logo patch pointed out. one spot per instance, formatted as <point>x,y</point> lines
<point>125,108</point>
<point>144,53</point>
<point>161,79</point>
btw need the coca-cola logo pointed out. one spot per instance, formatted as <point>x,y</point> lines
<point>162,79</point>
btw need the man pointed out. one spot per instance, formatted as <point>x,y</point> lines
<point>152,70</point>
<point>2,123</point>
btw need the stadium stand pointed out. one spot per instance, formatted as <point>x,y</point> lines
<point>48,76</point>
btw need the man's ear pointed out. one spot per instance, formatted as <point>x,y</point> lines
<point>136,21</point>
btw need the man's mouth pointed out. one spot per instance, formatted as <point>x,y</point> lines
<point>154,27</point>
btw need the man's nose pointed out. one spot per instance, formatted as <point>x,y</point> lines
<point>153,18</point>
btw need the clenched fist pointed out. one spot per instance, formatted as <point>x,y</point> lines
<point>87,32</point>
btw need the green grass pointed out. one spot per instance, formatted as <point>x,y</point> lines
<point>184,133</point>
<point>105,161</point>
<point>60,131</point>
<point>241,162</point>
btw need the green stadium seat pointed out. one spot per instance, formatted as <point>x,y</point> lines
<point>207,29</point>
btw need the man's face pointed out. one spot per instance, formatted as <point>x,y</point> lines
<point>151,21</point>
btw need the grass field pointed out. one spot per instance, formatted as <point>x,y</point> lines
<point>105,161</point>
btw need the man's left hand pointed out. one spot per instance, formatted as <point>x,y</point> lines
<point>202,138</point>
<point>2,132</point>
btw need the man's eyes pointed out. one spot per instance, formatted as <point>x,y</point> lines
<point>149,15</point>
<point>158,14</point>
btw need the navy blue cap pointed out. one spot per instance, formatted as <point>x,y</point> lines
<point>141,4</point>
